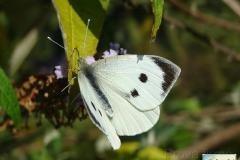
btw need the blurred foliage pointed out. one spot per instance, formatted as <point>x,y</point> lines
<point>8,99</point>
<point>204,102</point>
<point>157,6</point>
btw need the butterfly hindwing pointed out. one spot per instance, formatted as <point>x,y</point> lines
<point>126,119</point>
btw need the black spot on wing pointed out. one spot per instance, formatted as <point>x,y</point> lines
<point>93,106</point>
<point>169,72</point>
<point>100,112</point>
<point>143,77</point>
<point>134,93</point>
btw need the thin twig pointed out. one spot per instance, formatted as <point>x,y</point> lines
<point>206,18</point>
<point>219,114</point>
<point>204,38</point>
<point>228,51</point>
<point>210,142</point>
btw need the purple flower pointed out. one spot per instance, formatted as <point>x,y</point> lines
<point>109,53</point>
<point>90,60</point>
<point>58,72</point>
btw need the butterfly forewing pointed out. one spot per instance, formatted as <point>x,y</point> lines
<point>144,81</point>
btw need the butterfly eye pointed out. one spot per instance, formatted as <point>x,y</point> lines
<point>143,77</point>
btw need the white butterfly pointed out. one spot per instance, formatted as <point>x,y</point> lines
<point>122,93</point>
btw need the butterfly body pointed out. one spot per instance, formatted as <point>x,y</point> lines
<point>122,93</point>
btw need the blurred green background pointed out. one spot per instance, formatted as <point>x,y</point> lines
<point>201,113</point>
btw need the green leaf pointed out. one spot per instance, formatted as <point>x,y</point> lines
<point>73,17</point>
<point>8,99</point>
<point>157,6</point>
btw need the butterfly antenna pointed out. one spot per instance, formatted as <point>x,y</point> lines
<point>85,38</point>
<point>50,39</point>
<point>68,85</point>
